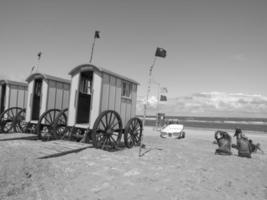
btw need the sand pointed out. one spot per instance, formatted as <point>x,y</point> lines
<point>169,169</point>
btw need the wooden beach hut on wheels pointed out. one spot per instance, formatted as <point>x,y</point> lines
<point>48,95</point>
<point>100,103</point>
<point>13,99</point>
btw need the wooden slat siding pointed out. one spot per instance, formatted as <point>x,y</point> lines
<point>72,107</point>
<point>105,92</point>
<point>123,110</point>
<point>7,96</point>
<point>13,93</point>
<point>29,101</point>
<point>95,102</point>
<point>59,95</point>
<point>118,96</point>
<point>112,91</point>
<point>25,97</point>
<point>66,94</point>
<point>134,99</point>
<point>128,110</point>
<point>51,94</point>
<point>44,97</point>
<point>20,101</point>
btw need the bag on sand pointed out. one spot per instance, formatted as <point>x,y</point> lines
<point>244,147</point>
<point>224,142</point>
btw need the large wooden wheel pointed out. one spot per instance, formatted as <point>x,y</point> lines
<point>59,128</point>
<point>107,130</point>
<point>133,132</point>
<point>20,125</point>
<point>8,119</point>
<point>45,124</point>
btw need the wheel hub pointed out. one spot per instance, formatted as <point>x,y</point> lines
<point>109,132</point>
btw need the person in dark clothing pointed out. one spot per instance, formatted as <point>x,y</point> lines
<point>224,141</point>
<point>243,145</point>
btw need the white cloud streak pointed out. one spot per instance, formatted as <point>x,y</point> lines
<point>215,104</point>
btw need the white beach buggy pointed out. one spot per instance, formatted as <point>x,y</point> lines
<point>175,131</point>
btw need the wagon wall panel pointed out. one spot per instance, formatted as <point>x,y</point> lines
<point>66,94</point>
<point>128,110</point>
<point>123,110</point>
<point>105,92</point>
<point>95,109</point>
<point>112,93</point>
<point>44,97</point>
<point>21,92</point>
<point>25,97</point>
<point>134,100</point>
<point>73,99</point>
<point>59,95</point>
<point>7,97</point>
<point>29,102</point>
<point>13,96</point>
<point>118,96</point>
<point>51,94</point>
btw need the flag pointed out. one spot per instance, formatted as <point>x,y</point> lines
<point>97,34</point>
<point>160,52</point>
<point>163,90</point>
<point>33,68</point>
<point>39,55</point>
<point>163,98</point>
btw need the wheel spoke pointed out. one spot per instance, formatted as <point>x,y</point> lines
<point>103,124</point>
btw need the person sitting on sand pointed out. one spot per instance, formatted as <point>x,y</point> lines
<point>243,145</point>
<point>224,141</point>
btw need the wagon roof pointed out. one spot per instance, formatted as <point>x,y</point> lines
<point>85,67</point>
<point>10,82</point>
<point>47,77</point>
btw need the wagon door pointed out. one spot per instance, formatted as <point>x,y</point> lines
<point>36,99</point>
<point>3,96</point>
<point>84,97</point>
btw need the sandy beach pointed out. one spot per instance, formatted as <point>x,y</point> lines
<point>169,169</point>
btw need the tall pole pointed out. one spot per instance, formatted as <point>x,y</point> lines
<point>157,122</point>
<point>146,102</point>
<point>92,52</point>
<point>38,60</point>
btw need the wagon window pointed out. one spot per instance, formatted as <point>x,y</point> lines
<point>86,84</point>
<point>126,89</point>
<point>38,88</point>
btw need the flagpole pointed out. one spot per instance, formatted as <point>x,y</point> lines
<point>38,61</point>
<point>92,52</point>
<point>146,102</point>
<point>157,123</point>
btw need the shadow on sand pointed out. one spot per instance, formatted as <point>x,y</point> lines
<point>65,152</point>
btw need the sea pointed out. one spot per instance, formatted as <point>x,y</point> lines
<point>249,124</point>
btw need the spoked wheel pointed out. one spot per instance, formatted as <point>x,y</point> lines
<point>133,132</point>
<point>8,118</point>
<point>20,125</point>
<point>45,124</point>
<point>60,125</point>
<point>107,130</point>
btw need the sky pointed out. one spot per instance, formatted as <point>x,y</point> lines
<point>213,46</point>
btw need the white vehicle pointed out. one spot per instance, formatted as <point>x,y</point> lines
<point>173,131</point>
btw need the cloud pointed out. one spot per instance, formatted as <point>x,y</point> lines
<point>215,104</point>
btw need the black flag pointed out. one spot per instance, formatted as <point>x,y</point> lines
<point>97,34</point>
<point>160,52</point>
<point>163,98</point>
<point>39,55</point>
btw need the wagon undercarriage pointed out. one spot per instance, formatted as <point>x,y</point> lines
<point>107,133</point>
